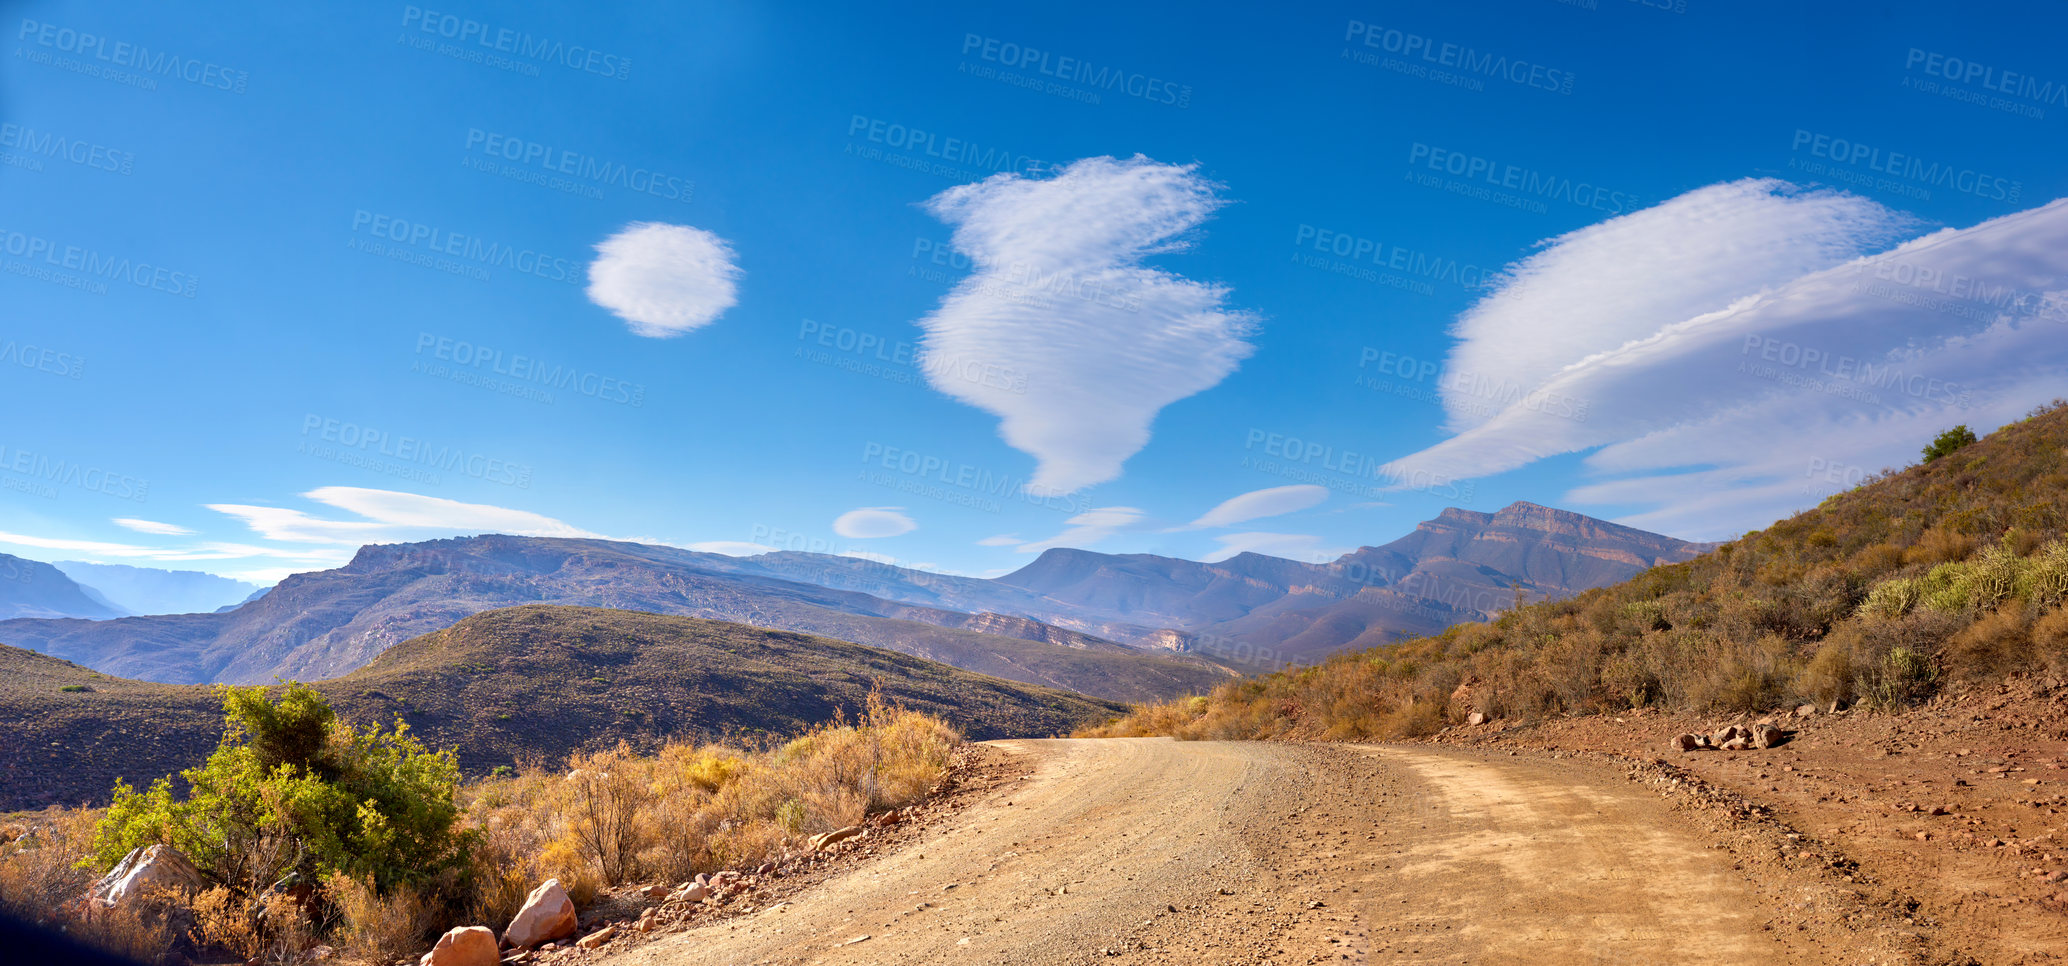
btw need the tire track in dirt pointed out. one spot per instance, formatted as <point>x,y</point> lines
<point>1156,851</point>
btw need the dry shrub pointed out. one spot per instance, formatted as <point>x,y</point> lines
<point>1939,545</point>
<point>2050,640</point>
<point>1876,560</point>
<point>605,794</point>
<point>1997,643</point>
<point>39,873</point>
<point>221,920</point>
<point>142,929</point>
<point>381,928</point>
<point>615,816</point>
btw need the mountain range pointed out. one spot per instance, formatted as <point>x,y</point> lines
<point>1124,627</point>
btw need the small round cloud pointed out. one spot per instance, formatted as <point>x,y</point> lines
<point>873,522</point>
<point>664,280</point>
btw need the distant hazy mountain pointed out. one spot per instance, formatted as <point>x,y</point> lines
<point>31,588</point>
<point>146,590</point>
<point>327,623</point>
<point>1463,565</point>
<point>256,594</point>
<point>1253,610</point>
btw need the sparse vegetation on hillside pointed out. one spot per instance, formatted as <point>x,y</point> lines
<point>1954,570</point>
<point>501,686</point>
<point>419,853</point>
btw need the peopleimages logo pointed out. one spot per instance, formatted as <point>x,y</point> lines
<point>1526,182</point>
<point>114,268</point>
<point>584,169</point>
<point>503,40</point>
<point>1464,60</point>
<point>1986,77</point>
<point>136,57</point>
<point>426,238</point>
<point>1073,70</point>
<point>1902,166</point>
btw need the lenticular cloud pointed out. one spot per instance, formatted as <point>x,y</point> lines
<point>1595,289</point>
<point>1061,331</point>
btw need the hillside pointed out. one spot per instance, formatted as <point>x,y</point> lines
<point>327,623</point>
<point>507,684</point>
<point>1949,572</point>
<point>33,589</point>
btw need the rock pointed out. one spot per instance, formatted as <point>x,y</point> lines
<point>1722,738</point>
<point>548,914</point>
<point>655,891</point>
<point>598,938</point>
<point>693,892</point>
<point>837,835</point>
<point>1739,743</point>
<point>1767,736</point>
<point>464,946</point>
<point>892,817</point>
<point>142,873</point>
<point>1806,711</point>
<point>1476,718</point>
<point>1686,742</point>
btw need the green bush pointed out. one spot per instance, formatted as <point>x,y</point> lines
<point>2045,581</point>
<point>1893,598</point>
<point>292,790</point>
<point>1948,441</point>
<point>1904,677</point>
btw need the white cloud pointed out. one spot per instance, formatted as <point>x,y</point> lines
<point>1088,528</point>
<point>1292,546</point>
<point>390,516</point>
<point>664,280</point>
<point>731,548</point>
<point>873,522</point>
<point>1595,289</point>
<point>1001,540</point>
<point>1061,331</point>
<point>1731,418</point>
<point>1257,504</point>
<point>206,551</point>
<point>152,527</point>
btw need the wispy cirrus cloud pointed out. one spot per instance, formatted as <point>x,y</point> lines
<point>387,516</point>
<point>152,527</point>
<point>1061,296</point>
<point>1292,546</point>
<point>1258,504</point>
<point>1088,528</point>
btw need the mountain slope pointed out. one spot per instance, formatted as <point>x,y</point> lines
<point>33,589</point>
<point>148,590</point>
<point>1945,574</point>
<point>327,623</point>
<point>507,684</point>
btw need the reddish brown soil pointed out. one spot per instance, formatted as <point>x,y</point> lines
<point>1951,814</point>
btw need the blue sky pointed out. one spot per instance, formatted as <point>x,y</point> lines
<point>281,282</point>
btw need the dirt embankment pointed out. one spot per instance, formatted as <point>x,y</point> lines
<point>1953,816</point>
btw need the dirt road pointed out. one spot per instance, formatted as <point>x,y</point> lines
<point>1155,851</point>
